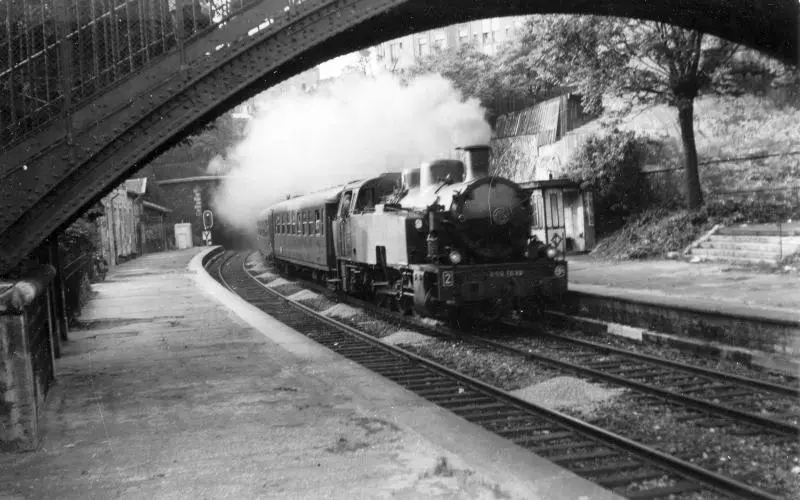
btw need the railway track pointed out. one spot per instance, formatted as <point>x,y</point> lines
<point>706,397</point>
<point>629,468</point>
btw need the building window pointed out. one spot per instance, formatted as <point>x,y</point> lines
<point>423,48</point>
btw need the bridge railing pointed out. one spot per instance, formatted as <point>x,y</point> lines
<point>56,54</point>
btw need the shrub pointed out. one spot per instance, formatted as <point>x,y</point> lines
<point>611,165</point>
<point>80,238</point>
<point>654,233</point>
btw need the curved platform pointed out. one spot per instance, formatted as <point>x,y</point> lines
<point>176,388</point>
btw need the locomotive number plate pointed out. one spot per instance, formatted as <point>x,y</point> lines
<point>447,278</point>
<point>505,273</point>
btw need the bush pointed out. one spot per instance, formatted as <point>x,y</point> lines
<point>80,238</point>
<point>611,166</point>
<point>653,233</point>
<point>751,211</point>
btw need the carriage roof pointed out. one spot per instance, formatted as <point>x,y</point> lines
<point>330,195</point>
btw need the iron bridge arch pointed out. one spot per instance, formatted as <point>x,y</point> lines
<point>84,146</point>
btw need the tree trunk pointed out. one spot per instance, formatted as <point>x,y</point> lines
<point>694,195</point>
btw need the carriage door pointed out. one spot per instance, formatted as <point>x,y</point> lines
<point>342,230</point>
<point>555,230</point>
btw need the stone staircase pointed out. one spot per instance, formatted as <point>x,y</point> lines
<point>749,244</point>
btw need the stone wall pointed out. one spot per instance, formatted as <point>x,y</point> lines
<point>26,358</point>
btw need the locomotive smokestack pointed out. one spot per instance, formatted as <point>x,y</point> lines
<point>476,160</point>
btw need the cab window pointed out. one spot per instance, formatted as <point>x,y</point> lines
<point>365,201</point>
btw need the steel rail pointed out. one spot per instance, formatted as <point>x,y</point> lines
<point>777,426</point>
<point>689,401</point>
<point>758,384</point>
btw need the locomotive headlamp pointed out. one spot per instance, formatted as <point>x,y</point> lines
<point>455,257</point>
<point>419,224</point>
<point>551,252</point>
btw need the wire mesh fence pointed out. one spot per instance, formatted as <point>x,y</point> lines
<point>56,53</point>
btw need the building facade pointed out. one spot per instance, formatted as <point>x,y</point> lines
<point>487,35</point>
<point>130,225</point>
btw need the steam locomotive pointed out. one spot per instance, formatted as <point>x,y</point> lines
<point>442,240</point>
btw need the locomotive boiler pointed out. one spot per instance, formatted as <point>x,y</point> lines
<point>444,239</point>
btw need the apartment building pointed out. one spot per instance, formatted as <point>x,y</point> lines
<point>485,34</point>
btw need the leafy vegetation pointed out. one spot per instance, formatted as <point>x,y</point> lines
<point>658,231</point>
<point>611,166</point>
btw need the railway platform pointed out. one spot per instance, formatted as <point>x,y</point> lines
<point>750,315</point>
<point>175,388</point>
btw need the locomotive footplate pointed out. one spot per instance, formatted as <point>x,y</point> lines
<point>464,284</point>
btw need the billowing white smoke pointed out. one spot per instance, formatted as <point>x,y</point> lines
<point>358,127</point>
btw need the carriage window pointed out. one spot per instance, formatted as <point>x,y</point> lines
<point>305,222</point>
<point>317,225</point>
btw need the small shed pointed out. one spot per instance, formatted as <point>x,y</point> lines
<point>563,214</point>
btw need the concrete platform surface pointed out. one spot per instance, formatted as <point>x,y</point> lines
<point>705,285</point>
<point>175,388</point>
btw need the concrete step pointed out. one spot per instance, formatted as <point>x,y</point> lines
<point>748,246</point>
<point>786,229</point>
<point>785,240</point>
<point>735,256</point>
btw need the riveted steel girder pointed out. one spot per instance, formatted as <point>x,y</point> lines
<point>53,187</point>
<point>46,181</point>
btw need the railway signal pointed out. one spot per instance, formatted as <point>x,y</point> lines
<point>208,223</point>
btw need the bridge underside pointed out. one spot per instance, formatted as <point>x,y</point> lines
<point>53,171</point>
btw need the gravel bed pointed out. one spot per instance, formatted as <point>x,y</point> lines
<point>319,304</point>
<point>365,322</point>
<point>675,354</point>
<point>500,370</point>
<point>779,407</point>
<point>266,277</point>
<point>287,288</point>
<point>766,462</point>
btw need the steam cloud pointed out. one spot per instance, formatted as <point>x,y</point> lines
<point>358,127</point>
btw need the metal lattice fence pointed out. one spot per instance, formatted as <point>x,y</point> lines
<point>57,53</point>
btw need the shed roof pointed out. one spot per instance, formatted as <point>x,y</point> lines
<point>156,207</point>
<point>136,186</point>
